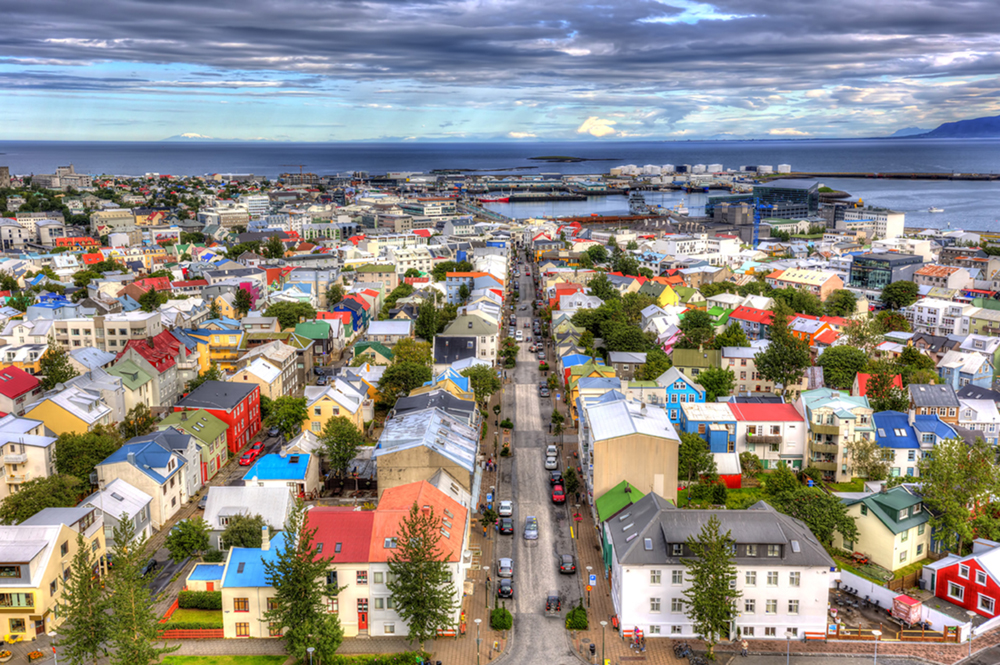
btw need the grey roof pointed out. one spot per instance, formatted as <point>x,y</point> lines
<point>931,394</point>
<point>656,519</point>
<point>620,417</point>
<point>217,395</point>
<point>461,409</point>
<point>973,391</point>
<point>91,357</point>
<point>448,350</point>
<point>434,429</point>
<point>627,357</point>
<point>54,516</point>
<point>271,503</point>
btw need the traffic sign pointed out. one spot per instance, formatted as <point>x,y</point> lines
<point>593,579</point>
<point>589,588</point>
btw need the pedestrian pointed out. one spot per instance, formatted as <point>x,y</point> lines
<point>743,648</point>
<point>484,531</point>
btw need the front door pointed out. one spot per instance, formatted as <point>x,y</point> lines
<point>362,614</point>
<point>210,586</point>
<point>40,627</point>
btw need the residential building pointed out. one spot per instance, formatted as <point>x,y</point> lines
<point>776,433</point>
<point>339,399</point>
<point>893,529</point>
<point>224,502</point>
<point>209,434</point>
<point>17,390</point>
<point>818,282</point>
<point>283,357</point>
<point>236,404</point>
<point>960,368</point>
<point>152,469</point>
<point>755,322</point>
<point>741,360</point>
<point>297,474</point>
<point>119,501</point>
<point>944,277</point>
<point>712,421</point>
<point>679,390</point>
<point>937,317</point>
<point>265,375</point>
<point>389,332</point>
<point>467,336</point>
<point>981,416</point>
<point>70,410</point>
<point>934,400</point>
<point>626,363</point>
<point>28,453</point>
<point>834,419</point>
<point>907,438</point>
<point>970,582</point>
<point>887,224</point>
<point>873,272</point>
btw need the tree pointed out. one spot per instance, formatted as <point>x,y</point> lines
<point>717,382</point>
<point>22,301</point>
<point>632,245</point>
<point>868,458</point>
<point>412,272</point>
<point>243,531</point>
<point>841,303</point>
<point>213,373</point>
<point>882,391</point>
<point>188,538</point>
<point>84,609</point>
<point>557,419</point>
<point>657,362</point>
<point>915,366</point>
<point>899,294</point>
<point>585,261</point>
<point>242,302</point>
<point>750,464</point>
<point>341,441</point>
<point>484,381</point>
<point>864,333</point>
<point>597,253</point>
<point>213,310</point>
<point>841,364</point>
<point>785,359</point>
<point>781,483</point>
<point>711,592</point>
<point>697,329</point>
<point>463,293</point>
<point>299,576</point>
<point>420,580</point>
<point>799,301</point>
<point>824,514</point>
<point>694,458</point>
<point>76,454</point>
<point>620,336</point>
<point>149,301</point>
<point>275,248</point>
<point>287,414</point>
<point>54,365</point>
<point>733,335</point>
<point>289,313</point>
<point>426,326</point>
<point>601,287</point>
<point>892,321</point>
<point>571,483</point>
<point>134,627</point>
<point>58,491</point>
<point>138,421</point>
<point>334,294</point>
<point>710,289</point>
<point>956,479</point>
<point>409,350</point>
<point>400,378</point>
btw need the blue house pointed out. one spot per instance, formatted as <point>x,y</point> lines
<point>907,439</point>
<point>712,421</point>
<point>962,368</point>
<point>680,390</point>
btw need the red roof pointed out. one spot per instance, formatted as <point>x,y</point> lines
<point>191,282</point>
<point>355,239</point>
<point>416,280</point>
<point>162,354</point>
<point>862,380</point>
<point>752,314</point>
<point>15,382</point>
<point>827,337</point>
<point>395,505</point>
<point>344,533</point>
<point>641,280</point>
<point>158,283</point>
<point>765,412</point>
<point>423,233</point>
<point>92,258</point>
<point>343,317</point>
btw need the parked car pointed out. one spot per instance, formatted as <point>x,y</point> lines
<point>274,431</point>
<point>550,463</point>
<point>249,457</point>
<point>567,564</point>
<point>506,526</point>
<point>555,477</point>
<point>544,392</point>
<point>506,508</point>
<point>203,501</point>
<point>505,589</point>
<point>531,528</point>
<point>150,567</point>
<point>505,567</point>
<point>551,450</point>
<point>541,355</point>
<point>258,446</point>
<point>321,381</point>
<point>558,494</point>
<point>519,336</point>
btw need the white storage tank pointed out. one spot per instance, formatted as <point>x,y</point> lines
<point>715,168</point>
<point>784,168</point>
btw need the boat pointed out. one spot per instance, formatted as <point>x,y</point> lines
<point>934,209</point>
<point>637,204</point>
<point>680,209</point>
<point>493,199</point>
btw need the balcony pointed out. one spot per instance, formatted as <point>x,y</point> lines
<point>763,438</point>
<point>824,448</point>
<point>824,429</point>
<point>824,466</point>
<point>17,478</point>
<point>15,459</point>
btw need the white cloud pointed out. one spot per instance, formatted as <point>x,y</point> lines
<point>787,131</point>
<point>521,135</point>
<point>596,126</point>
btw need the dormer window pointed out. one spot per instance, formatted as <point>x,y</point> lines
<point>903,514</point>
<point>677,549</point>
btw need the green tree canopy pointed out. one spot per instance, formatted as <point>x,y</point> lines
<point>484,380</point>
<point>213,373</point>
<point>76,454</point>
<point>138,421</point>
<point>697,329</point>
<point>711,590</point>
<point>275,248</point>
<point>334,294</point>
<point>410,350</point>
<point>287,414</point>
<point>657,362</point>
<point>341,442</point>
<point>149,301</point>
<point>84,608</point>
<point>799,301</point>
<point>243,301</point>
<point>883,394</point>
<point>426,326</point>
<point>289,313</point>
<point>54,365</point>
<point>785,359</point>
<point>399,379</point>
<point>601,287</point>
<point>694,459</point>
<point>597,254</point>
<point>893,321</point>
<point>717,382</point>
<point>899,294</point>
<point>244,531</point>
<point>867,459</point>
<point>841,303</point>
<point>188,538</point>
<point>733,335</point>
<point>841,364</point>
<point>58,491</point>
<point>710,289</point>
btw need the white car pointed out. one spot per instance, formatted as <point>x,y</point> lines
<point>519,336</point>
<point>506,508</point>
<point>551,451</point>
<point>551,463</point>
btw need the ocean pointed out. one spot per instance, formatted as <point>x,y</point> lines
<point>967,204</point>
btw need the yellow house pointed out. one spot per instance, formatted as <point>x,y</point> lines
<point>325,402</point>
<point>35,558</point>
<point>451,381</point>
<point>71,410</point>
<point>225,303</point>
<point>265,375</point>
<point>221,347</point>
<point>665,296</point>
<point>893,529</point>
<point>577,372</point>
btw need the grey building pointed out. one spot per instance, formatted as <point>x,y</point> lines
<point>119,501</point>
<point>873,272</point>
<point>626,363</point>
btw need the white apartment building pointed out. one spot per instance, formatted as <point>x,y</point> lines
<point>257,205</point>
<point>782,572</point>
<point>980,415</point>
<point>888,224</point>
<point>938,317</point>
<point>407,258</point>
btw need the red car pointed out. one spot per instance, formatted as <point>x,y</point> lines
<point>249,457</point>
<point>259,447</point>
<point>558,494</point>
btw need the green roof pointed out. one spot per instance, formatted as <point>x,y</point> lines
<point>375,267</point>
<point>313,329</point>
<point>199,423</point>
<point>460,327</point>
<point>132,375</point>
<point>643,384</point>
<point>616,499</point>
<point>377,347</point>
<point>886,506</point>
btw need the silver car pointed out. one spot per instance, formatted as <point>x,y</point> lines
<point>506,508</point>
<point>551,463</point>
<point>505,568</point>
<point>531,528</point>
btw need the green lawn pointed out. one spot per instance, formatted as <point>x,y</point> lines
<point>200,616</point>
<point>224,660</point>
<point>856,485</point>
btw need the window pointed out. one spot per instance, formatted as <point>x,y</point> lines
<point>751,550</point>
<point>243,630</point>
<point>793,607</point>
<point>956,591</point>
<point>864,509</point>
<point>903,514</point>
<point>64,549</point>
<point>980,577</point>
<point>751,578</point>
<point>318,411</point>
<point>920,549</point>
<point>654,630</point>
<point>902,556</point>
<point>241,604</point>
<point>676,605</point>
<point>379,603</point>
<point>677,577</point>
<point>654,577</point>
<point>334,605</point>
<point>916,509</point>
<point>17,625</point>
<point>377,578</point>
<point>654,604</point>
<point>677,550</point>
<point>17,600</point>
<point>794,632</point>
<point>701,428</point>
<point>362,577</point>
<point>390,603</point>
<point>986,604</point>
<point>747,631</point>
<point>676,630</point>
<point>770,631</point>
<point>772,578</point>
<point>794,579</point>
<point>749,606</point>
<point>10,571</point>
<point>963,571</point>
<point>389,629</point>
<point>904,536</point>
<point>53,587</point>
<point>920,530</point>
<point>274,630</point>
<point>774,550</point>
<point>771,607</point>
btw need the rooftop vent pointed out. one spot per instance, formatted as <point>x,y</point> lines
<point>631,537</point>
<point>795,546</point>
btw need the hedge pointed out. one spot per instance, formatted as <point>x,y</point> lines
<point>405,658</point>
<point>192,625</point>
<point>200,600</point>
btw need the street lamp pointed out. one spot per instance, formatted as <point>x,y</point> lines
<point>589,568</point>
<point>877,634</point>
<point>604,624</point>
<point>55,658</point>
<point>972,615</point>
<point>478,641</point>
<point>309,651</point>
<point>788,649</point>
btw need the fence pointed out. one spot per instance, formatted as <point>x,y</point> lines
<point>838,632</point>
<point>905,582</point>
<point>194,634</point>
<point>170,610</point>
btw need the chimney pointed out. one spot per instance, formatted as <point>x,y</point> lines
<point>265,538</point>
<point>184,415</point>
<point>131,458</point>
<point>642,409</point>
<point>150,342</point>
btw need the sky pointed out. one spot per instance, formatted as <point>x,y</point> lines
<point>477,70</point>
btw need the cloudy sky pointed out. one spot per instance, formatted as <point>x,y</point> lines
<point>322,70</point>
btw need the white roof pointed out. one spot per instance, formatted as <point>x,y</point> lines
<point>271,503</point>
<point>394,327</point>
<point>81,403</point>
<point>315,393</point>
<point>263,370</point>
<point>119,498</point>
<point>622,417</point>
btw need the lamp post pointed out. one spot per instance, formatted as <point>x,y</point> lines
<point>788,649</point>
<point>478,641</point>
<point>972,614</point>
<point>310,651</point>
<point>604,624</point>
<point>877,634</point>
<point>487,569</point>
<point>55,658</point>
<point>589,568</point>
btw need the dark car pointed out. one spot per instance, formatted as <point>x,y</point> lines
<point>542,384</point>
<point>558,494</point>
<point>506,526</point>
<point>321,381</point>
<point>150,567</point>
<point>505,589</point>
<point>274,431</point>
<point>553,604</point>
<point>567,564</point>
<point>555,477</point>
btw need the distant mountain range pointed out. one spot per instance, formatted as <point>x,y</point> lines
<point>974,128</point>
<point>192,137</point>
<point>908,131</point>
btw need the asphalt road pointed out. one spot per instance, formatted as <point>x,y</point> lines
<point>537,638</point>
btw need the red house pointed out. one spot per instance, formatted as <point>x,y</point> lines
<point>236,404</point>
<point>17,389</point>
<point>970,582</point>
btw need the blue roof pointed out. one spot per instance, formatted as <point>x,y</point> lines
<point>207,572</point>
<point>149,456</point>
<point>276,467</point>
<point>461,381</point>
<point>927,423</point>
<point>574,359</point>
<point>886,425</point>
<point>589,382</point>
<point>129,304</point>
<point>246,565</point>
<point>185,339</point>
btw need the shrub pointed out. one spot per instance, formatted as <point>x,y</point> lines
<point>192,625</point>
<point>213,556</point>
<point>200,600</point>
<point>701,492</point>
<point>719,494</point>
<point>576,619</point>
<point>506,423</point>
<point>813,472</point>
<point>501,619</point>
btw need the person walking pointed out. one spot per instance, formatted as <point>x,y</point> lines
<point>743,648</point>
